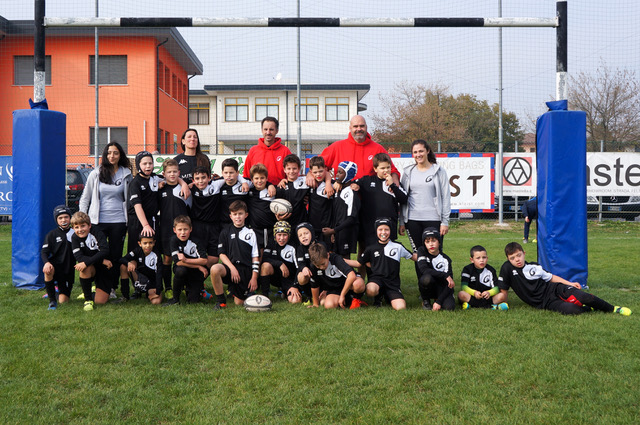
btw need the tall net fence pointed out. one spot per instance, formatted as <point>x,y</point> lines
<point>438,84</point>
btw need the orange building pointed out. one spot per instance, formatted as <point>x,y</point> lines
<point>143,85</point>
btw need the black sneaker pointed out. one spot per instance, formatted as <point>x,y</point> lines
<point>426,305</point>
<point>172,301</point>
<point>52,305</point>
<point>136,295</point>
<point>220,306</point>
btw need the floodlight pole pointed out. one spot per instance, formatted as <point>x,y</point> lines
<point>500,130</point>
<point>299,135</point>
<point>96,129</point>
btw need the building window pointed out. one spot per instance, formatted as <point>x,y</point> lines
<point>198,114</point>
<point>185,94</point>
<point>308,109</point>
<point>337,109</point>
<point>107,135</point>
<point>23,69</point>
<point>267,107</point>
<point>167,80</point>
<point>174,86</point>
<point>180,88</point>
<point>242,148</point>
<point>160,75</point>
<point>236,109</point>
<point>112,69</point>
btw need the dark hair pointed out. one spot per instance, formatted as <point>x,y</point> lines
<point>238,206</point>
<point>259,169</point>
<point>317,253</point>
<point>230,162</point>
<point>106,169</point>
<point>381,157</point>
<point>201,158</point>
<point>292,158</point>
<point>151,236</point>
<point>273,120</point>
<point>182,219</point>
<point>431,157</point>
<point>201,170</point>
<point>316,161</point>
<point>512,248</point>
<point>477,248</point>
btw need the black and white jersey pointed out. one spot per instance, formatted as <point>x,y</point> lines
<point>344,220</point>
<point>186,164</point>
<point>295,192</point>
<point>334,277</point>
<point>320,206</point>
<point>302,257</point>
<point>229,194</point>
<point>379,199</point>
<point>56,248</point>
<point>260,215</point>
<point>240,245</point>
<point>438,266</point>
<point>145,264</point>
<point>188,248</point>
<point>277,255</point>
<point>531,283</point>
<point>206,202</point>
<point>91,249</point>
<point>172,204</point>
<point>385,260</point>
<point>479,280</point>
<point>144,192</point>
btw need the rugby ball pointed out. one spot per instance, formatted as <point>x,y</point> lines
<point>280,206</point>
<point>257,303</point>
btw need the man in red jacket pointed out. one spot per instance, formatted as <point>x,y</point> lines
<point>269,151</point>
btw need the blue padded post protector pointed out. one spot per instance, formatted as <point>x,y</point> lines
<point>39,157</point>
<point>562,193</point>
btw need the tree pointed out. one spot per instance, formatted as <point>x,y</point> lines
<point>462,123</point>
<point>611,100</point>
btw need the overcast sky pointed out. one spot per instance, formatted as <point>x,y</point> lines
<point>464,59</point>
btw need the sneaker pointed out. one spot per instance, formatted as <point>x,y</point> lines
<point>307,303</point>
<point>168,294</point>
<point>112,295</point>
<point>206,295</point>
<point>426,305</point>
<point>525,240</point>
<point>466,306</point>
<point>52,305</point>
<point>93,288</point>
<point>135,295</point>
<point>88,306</point>
<point>172,301</point>
<point>501,306</point>
<point>534,241</point>
<point>219,306</point>
<point>120,300</point>
<point>625,311</point>
<point>81,296</point>
<point>357,303</point>
<point>280,294</point>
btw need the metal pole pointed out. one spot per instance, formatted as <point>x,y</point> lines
<point>500,147</point>
<point>299,136</point>
<point>96,129</point>
<point>39,72</point>
<point>561,50</point>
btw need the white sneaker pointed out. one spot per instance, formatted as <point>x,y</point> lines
<point>112,295</point>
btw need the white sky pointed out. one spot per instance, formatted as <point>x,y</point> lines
<point>464,59</point>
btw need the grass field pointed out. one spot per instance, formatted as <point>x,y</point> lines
<point>136,363</point>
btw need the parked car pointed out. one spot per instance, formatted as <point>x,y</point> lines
<point>627,207</point>
<point>76,179</point>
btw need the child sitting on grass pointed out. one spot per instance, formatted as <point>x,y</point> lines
<point>479,282</point>
<point>541,289</point>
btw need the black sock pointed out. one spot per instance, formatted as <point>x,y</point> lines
<point>124,287</point>
<point>264,282</point>
<point>357,295</point>
<point>85,283</point>
<point>221,298</point>
<point>166,276</point>
<point>51,290</point>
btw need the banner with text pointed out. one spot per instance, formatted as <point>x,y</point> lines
<point>613,174</point>
<point>6,185</point>
<point>519,176</point>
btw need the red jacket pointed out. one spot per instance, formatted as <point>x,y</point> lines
<point>360,153</point>
<point>270,156</point>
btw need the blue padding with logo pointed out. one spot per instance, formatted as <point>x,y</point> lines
<point>562,194</point>
<point>39,172</point>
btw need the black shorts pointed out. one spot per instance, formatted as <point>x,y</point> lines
<point>239,290</point>
<point>102,278</point>
<point>134,228</point>
<point>263,236</point>
<point>207,235</point>
<point>64,278</point>
<point>388,288</point>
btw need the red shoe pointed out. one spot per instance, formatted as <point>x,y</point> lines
<point>357,303</point>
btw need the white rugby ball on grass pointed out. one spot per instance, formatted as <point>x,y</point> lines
<point>257,303</point>
<point>280,206</point>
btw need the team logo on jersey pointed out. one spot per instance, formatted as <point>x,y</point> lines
<point>515,272</point>
<point>247,237</point>
<point>141,188</point>
<point>332,271</point>
<point>346,195</point>
<point>182,161</point>
<point>439,266</point>
<point>532,272</point>
<point>118,182</point>
<point>300,183</point>
<point>279,158</point>
<point>376,254</point>
<point>192,250</point>
<point>370,157</point>
<point>224,192</point>
<point>152,262</point>
<point>393,252</point>
<point>373,184</point>
<point>288,255</point>
<point>428,179</point>
<point>487,280</point>
<point>58,239</point>
<point>233,236</point>
<point>164,194</point>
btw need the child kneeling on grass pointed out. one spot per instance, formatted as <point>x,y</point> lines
<point>90,248</point>
<point>142,265</point>
<point>435,279</point>
<point>541,289</point>
<point>57,258</point>
<point>333,277</point>
<point>278,266</point>
<point>479,282</point>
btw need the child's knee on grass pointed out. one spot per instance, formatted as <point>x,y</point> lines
<point>373,289</point>
<point>88,272</point>
<point>101,297</point>
<point>464,297</point>
<point>266,269</point>
<point>398,304</point>
<point>358,285</point>
<point>332,301</point>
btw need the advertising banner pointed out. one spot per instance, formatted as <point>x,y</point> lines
<point>6,185</point>
<point>519,177</point>
<point>613,174</point>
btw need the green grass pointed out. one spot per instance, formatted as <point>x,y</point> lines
<point>137,363</point>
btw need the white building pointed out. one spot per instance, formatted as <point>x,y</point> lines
<point>228,117</point>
